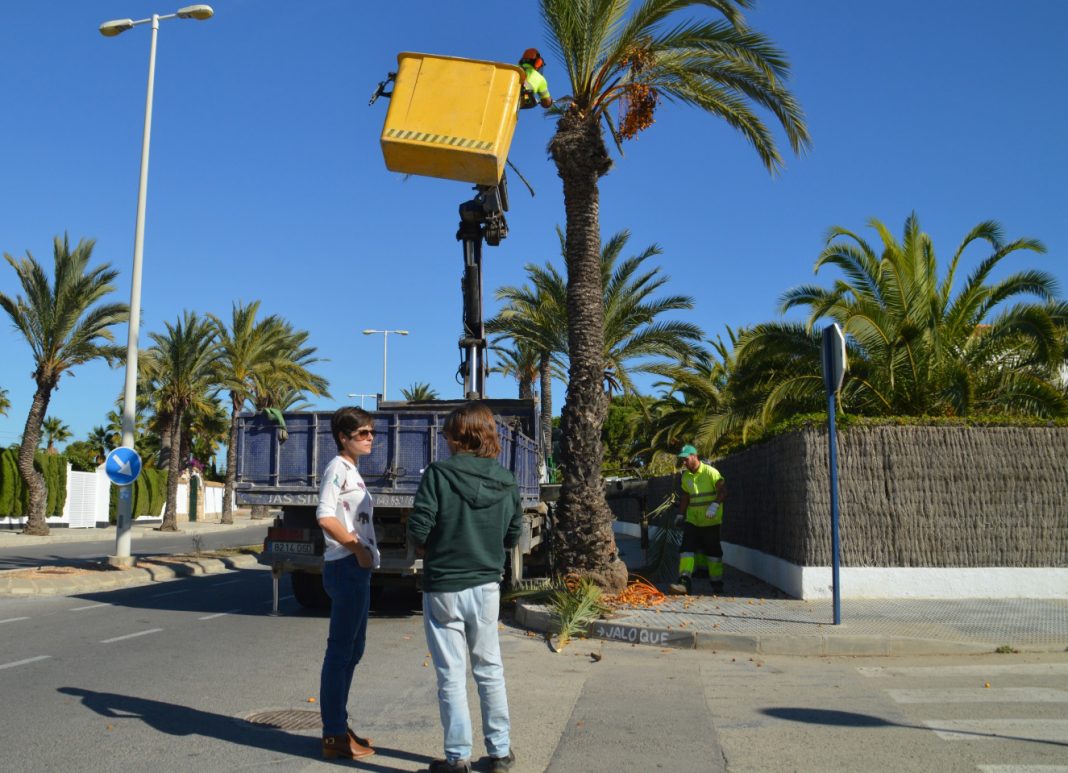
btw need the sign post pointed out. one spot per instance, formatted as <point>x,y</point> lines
<point>834,365</point>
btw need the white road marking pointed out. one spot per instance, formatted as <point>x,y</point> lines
<point>91,606</point>
<point>228,582</point>
<point>1047,730</point>
<point>929,672</point>
<point>131,635</point>
<point>24,662</point>
<point>171,593</point>
<point>218,614</point>
<point>13,620</point>
<point>981,695</point>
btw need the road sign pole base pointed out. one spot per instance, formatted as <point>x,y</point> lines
<point>121,562</point>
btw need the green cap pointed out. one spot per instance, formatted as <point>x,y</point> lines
<point>686,451</point>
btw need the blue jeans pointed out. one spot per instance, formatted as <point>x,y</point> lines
<point>349,588</point>
<point>458,623</point>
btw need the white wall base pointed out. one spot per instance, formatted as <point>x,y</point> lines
<point>814,582</point>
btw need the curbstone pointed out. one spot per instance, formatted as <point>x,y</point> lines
<point>127,578</point>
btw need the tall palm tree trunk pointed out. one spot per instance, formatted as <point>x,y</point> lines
<point>546,375</point>
<point>583,539</point>
<point>231,462</point>
<point>170,513</point>
<point>36,524</point>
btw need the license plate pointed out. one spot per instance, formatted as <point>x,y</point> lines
<point>303,548</point>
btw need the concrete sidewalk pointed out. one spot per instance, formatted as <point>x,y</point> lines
<point>73,576</point>
<point>753,617</point>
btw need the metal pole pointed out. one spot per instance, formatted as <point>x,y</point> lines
<point>129,400</point>
<point>832,443</point>
<point>385,339</point>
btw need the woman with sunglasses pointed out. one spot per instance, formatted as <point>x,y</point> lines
<point>345,516</point>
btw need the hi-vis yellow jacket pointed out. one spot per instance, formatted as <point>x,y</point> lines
<point>701,488</point>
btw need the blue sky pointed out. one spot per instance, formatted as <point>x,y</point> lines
<point>267,180</point>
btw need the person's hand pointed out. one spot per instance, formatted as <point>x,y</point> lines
<point>364,557</point>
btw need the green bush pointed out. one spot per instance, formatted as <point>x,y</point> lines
<point>14,496</point>
<point>149,494</point>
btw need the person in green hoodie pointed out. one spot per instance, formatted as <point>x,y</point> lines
<point>466,513</point>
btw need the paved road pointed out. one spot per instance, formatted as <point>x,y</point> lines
<point>16,552</point>
<point>164,675</point>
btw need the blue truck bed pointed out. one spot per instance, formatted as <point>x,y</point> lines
<point>408,438</point>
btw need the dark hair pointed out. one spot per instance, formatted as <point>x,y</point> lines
<point>473,430</point>
<point>347,420</point>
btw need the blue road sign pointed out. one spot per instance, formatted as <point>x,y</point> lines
<point>123,465</point>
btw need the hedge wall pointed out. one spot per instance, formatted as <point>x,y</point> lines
<point>909,496</point>
<point>14,496</point>
<point>149,494</point>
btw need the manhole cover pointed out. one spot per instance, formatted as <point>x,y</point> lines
<point>286,719</point>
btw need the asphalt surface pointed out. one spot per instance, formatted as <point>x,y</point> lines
<point>749,616</point>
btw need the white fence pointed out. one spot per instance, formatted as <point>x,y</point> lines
<point>88,496</point>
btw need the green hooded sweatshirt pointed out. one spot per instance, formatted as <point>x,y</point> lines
<point>466,513</point>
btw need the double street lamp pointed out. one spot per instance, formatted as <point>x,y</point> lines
<point>111,29</point>
<point>385,339</point>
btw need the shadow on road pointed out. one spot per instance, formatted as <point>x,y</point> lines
<point>851,719</point>
<point>173,719</point>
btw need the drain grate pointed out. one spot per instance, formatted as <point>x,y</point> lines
<point>286,719</point>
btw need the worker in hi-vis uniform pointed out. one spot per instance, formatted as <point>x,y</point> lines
<point>535,87</point>
<point>700,515</point>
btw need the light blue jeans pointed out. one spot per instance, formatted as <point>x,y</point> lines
<point>458,623</point>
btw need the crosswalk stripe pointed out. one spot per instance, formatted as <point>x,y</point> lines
<point>928,672</point>
<point>1043,730</point>
<point>981,695</point>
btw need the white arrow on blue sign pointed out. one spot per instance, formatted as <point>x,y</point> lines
<point>122,466</point>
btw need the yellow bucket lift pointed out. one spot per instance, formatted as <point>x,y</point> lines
<point>451,117</point>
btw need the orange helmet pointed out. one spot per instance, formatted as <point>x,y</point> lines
<point>532,57</point>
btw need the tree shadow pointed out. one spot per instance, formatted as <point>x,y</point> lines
<point>833,718</point>
<point>173,719</point>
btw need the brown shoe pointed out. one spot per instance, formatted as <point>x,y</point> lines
<point>344,746</point>
<point>361,741</point>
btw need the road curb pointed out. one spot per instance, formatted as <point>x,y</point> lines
<point>126,578</point>
<point>539,618</point>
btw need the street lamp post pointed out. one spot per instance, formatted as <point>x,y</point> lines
<point>385,339</point>
<point>111,29</point>
<point>362,395</point>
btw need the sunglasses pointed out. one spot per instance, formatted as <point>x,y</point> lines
<point>361,434</point>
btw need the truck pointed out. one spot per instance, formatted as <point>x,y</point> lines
<point>280,464</point>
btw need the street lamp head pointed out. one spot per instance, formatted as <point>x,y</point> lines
<point>401,332</point>
<point>368,331</point>
<point>199,12</point>
<point>110,29</point>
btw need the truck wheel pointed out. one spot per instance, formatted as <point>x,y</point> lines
<point>308,590</point>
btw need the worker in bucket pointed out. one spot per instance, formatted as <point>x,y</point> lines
<point>700,515</point>
<point>535,87</point>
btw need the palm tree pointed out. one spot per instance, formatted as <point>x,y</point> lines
<point>633,60</point>
<point>418,392</point>
<point>915,348</point>
<point>247,349</point>
<point>280,388</point>
<point>65,327</point>
<point>535,319</point>
<point>5,403</point>
<point>102,440</point>
<point>182,362</point>
<point>519,361</point>
<point>55,431</point>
